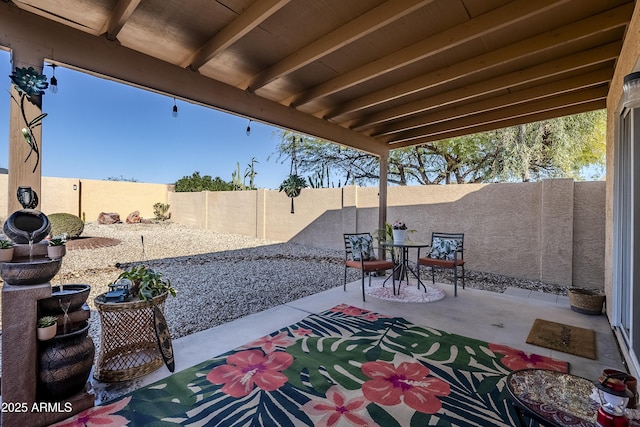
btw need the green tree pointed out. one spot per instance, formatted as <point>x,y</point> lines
<point>562,147</point>
<point>195,183</point>
<point>121,179</point>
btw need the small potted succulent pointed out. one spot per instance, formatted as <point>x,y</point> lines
<point>6,250</point>
<point>57,248</point>
<point>47,326</point>
<point>145,283</point>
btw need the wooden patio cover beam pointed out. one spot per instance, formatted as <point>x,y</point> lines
<point>101,57</point>
<point>506,82</point>
<point>548,41</point>
<point>119,16</point>
<point>253,16</point>
<point>575,102</point>
<point>336,39</point>
<point>511,99</point>
<point>500,18</point>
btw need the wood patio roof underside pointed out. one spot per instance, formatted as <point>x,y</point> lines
<point>370,74</point>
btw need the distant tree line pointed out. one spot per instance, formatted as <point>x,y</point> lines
<point>196,182</point>
<point>565,147</point>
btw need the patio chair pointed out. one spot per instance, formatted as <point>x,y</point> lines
<point>447,252</point>
<point>359,254</point>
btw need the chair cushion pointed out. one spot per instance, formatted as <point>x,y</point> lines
<point>443,248</point>
<point>444,263</point>
<point>361,245</point>
<point>373,265</point>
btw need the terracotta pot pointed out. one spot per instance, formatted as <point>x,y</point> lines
<point>47,333</point>
<point>6,255</point>
<point>56,252</point>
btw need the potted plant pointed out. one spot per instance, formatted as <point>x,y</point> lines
<point>292,186</point>
<point>399,231</point>
<point>47,326</point>
<point>145,283</point>
<point>57,248</point>
<point>6,250</point>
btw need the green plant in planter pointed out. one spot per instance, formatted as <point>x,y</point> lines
<point>292,185</point>
<point>386,234</point>
<point>146,283</point>
<point>6,244</point>
<point>58,240</point>
<point>46,321</point>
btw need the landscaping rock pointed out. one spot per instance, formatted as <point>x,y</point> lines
<point>133,218</point>
<point>108,218</point>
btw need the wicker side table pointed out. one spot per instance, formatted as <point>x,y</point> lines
<point>129,346</point>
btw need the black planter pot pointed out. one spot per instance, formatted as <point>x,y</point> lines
<point>65,363</point>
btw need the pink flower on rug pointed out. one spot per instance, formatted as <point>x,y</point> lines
<point>371,316</point>
<point>349,310</point>
<point>336,410</point>
<point>269,344</point>
<point>250,368</point>
<point>517,359</point>
<point>98,416</point>
<point>408,381</point>
<point>302,332</point>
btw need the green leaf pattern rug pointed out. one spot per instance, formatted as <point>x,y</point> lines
<point>343,367</point>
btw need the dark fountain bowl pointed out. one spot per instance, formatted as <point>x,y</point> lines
<point>74,295</point>
<point>25,272</point>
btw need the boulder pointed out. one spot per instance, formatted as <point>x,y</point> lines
<point>133,218</point>
<point>108,218</point>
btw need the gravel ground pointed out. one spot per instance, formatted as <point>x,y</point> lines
<point>221,277</point>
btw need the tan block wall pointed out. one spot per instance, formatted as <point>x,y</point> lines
<point>4,201</point>
<point>121,197</point>
<point>90,197</point>
<point>60,196</point>
<point>191,208</point>
<point>588,234</point>
<point>552,230</point>
<point>232,211</point>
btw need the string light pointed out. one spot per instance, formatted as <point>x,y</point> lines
<point>53,85</point>
<point>249,128</point>
<point>174,112</point>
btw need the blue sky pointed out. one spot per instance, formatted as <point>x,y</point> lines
<point>98,129</point>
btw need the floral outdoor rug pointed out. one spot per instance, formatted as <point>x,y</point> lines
<point>343,367</point>
<point>404,292</point>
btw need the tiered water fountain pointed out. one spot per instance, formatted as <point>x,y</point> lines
<point>42,382</point>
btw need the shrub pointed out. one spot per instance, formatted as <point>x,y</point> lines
<point>160,211</point>
<point>65,223</point>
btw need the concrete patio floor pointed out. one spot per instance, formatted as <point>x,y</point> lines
<point>493,317</point>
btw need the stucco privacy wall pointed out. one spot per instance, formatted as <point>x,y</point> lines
<point>90,197</point>
<point>551,230</point>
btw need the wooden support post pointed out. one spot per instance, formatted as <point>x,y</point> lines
<point>21,173</point>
